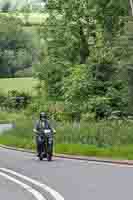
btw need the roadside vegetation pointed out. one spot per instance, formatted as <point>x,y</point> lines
<point>83,76</point>
<point>111,139</point>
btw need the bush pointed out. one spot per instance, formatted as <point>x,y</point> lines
<point>15,100</point>
<point>87,117</point>
<point>102,134</point>
<point>2,98</point>
<point>24,73</point>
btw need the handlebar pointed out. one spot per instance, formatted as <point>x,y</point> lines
<point>35,131</point>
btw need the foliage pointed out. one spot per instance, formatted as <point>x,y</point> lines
<point>78,59</point>
<point>17,48</point>
<point>80,64</point>
<point>24,73</point>
<point>14,100</point>
<point>105,138</point>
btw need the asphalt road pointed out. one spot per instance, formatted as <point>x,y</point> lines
<point>8,190</point>
<point>73,180</point>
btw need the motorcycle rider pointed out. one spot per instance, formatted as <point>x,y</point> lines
<point>41,125</point>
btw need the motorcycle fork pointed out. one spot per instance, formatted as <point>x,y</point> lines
<point>49,145</point>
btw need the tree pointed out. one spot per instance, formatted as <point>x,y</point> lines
<point>72,31</point>
<point>131,7</point>
<point>79,61</point>
<point>6,7</point>
<point>17,48</point>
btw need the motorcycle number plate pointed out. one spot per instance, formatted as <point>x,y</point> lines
<point>50,141</point>
<point>39,139</point>
<point>47,131</point>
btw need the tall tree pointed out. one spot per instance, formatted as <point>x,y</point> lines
<point>131,7</point>
<point>17,49</point>
<point>75,30</point>
<point>130,57</point>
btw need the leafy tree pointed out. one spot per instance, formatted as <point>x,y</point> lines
<point>79,61</point>
<point>17,48</point>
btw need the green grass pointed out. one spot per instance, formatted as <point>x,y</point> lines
<point>104,139</point>
<point>122,152</point>
<point>20,84</point>
<point>10,116</point>
<point>32,18</point>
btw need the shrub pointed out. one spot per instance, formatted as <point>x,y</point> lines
<point>24,73</point>
<point>15,100</point>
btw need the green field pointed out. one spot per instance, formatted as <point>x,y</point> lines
<point>30,18</point>
<point>20,84</point>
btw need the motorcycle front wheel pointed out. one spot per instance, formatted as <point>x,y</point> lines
<point>50,151</point>
<point>41,153</point>
<point>41,157</point>
<point>49,157</point>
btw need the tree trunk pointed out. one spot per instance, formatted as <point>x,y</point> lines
<point>130,89</point>
<point>130,7</point>
<point>84,51</point>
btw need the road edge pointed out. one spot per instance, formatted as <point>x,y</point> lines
<point>74,157</point>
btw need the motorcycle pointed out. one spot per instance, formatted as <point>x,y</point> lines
<point>45,144</point>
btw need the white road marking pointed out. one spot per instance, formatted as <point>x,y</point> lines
<point>52,192</point>
<point>110,164</point>
<point>34,192</point>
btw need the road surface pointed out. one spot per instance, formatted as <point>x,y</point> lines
<point>66,179</point>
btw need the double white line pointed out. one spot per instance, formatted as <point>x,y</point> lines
<point>34,192</point>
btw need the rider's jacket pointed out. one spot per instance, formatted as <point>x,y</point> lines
<point>40,126</point>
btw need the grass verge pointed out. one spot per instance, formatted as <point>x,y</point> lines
<point>104,139</point>
<point>121,152</point>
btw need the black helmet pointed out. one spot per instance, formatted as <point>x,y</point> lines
<point>43,115</point>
